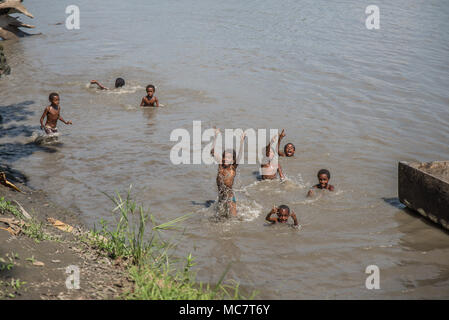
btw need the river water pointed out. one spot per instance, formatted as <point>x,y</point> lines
<point>352,100</point>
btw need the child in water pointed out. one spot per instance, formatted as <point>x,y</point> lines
<point>119,82</point>
<point>227,170</point>
<point>53,114</point>
<point>323,178</point>
<point>270,166</point>
<point>150,100</point>
<point>289,148</point>
<point>282,212</point>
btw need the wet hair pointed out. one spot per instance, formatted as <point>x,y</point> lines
<point>324,171</point>
<point>234,156</point>
<point>283,206</point>
<point>150,86</point>
<point>119,82</point>
<point>52,95</point>
<point>285,147</point>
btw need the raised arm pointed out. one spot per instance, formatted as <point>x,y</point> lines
<point>269,218</point>
<point>102,87</point>
<point>267,148</point>
<point>240,154</point>
<point>281,152</point>
<point>216,156</point>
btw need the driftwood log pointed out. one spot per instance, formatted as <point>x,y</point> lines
<point>9,26</point>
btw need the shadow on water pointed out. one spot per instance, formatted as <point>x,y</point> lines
<point>394,202</point>
<point>206,204</point>
<point>13,175</point>
<point>13,151</point>
<point>398,205</point>
<point>257,175</point>
<point>15,112</point>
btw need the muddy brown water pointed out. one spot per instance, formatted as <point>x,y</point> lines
<point>352,100</point>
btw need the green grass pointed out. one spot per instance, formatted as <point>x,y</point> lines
<point>157,273</point>
<point>7,207</point>
<point>31,228</point>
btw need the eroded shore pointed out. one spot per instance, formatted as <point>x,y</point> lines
<point>34,265</point>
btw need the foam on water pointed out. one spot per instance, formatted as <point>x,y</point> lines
<point>40,138</point>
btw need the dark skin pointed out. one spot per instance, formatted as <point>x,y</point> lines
<point>282,215</point>
<point>269,170</point>
<point>150,100</point>
<point>102,87</point>
<point>53,114</point>
<point>323,184</point>
<point>227,169</point>
<point>289,150</point>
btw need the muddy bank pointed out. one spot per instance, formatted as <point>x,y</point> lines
<point>33,265</point>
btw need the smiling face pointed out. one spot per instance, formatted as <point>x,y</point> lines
<point>289,150</point>
<point>323,179</point>
<point>283,215</point>
<point>150,92</point>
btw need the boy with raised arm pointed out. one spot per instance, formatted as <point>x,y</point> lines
<point>270,166</point>
<point>227,169</point>
<point>53,114</point>
<point>289,148</point>
<point>282,214</point>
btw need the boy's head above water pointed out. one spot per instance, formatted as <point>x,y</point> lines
<point>289,150</point>
<point>229,157</point>
<point>283,213</point>
<point>323,177</point>
<point>119,82</point>
<point>150,90</point>
<point>54,98</point>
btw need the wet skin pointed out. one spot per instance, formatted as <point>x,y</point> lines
<point>150,100</point>
<point>52,112</point>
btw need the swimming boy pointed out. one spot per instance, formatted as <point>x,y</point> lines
<point>323,178</point>
<point>270,166</point>
<point>283,213</point>
<point>53,114</point>
<point>227,170</point>
<point>150,100</point>
<point>119,82</point>
<point>289,148</point>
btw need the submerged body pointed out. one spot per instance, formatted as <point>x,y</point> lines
<point>227,170</point>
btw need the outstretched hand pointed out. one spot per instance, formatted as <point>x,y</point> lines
<point>282,133</point>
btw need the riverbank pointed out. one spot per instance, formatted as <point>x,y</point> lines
<point>42,241</point>
<point>34,261</point>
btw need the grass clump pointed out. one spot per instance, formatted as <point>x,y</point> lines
<point>7,207</point>
<point>31,227</point>
<point>157,273</point>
